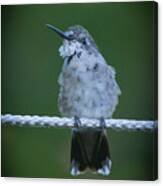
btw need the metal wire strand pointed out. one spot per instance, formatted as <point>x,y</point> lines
<point>46,121</point>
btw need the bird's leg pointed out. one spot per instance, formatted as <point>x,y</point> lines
<point>77,122</point>
<point>102,123</point>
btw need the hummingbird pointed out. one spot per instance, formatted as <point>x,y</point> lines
<point>88,89</point>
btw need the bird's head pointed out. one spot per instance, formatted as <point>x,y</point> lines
<point>75,40</point>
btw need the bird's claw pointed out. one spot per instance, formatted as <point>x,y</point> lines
<point>102,123</point>
<point>77,122</point>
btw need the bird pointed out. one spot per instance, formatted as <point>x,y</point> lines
<point>88,89</point>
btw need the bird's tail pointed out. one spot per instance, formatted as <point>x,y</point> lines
<point>90,149</point>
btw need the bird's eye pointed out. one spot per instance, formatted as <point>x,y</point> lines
<point>70,34</point>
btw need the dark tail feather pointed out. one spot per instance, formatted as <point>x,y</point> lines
<point>78,161</point>
<point>89,148</point>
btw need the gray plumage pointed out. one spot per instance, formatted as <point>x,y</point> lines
<point>88,88</point>
<point>87,83</point>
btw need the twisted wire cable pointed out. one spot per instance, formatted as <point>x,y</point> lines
<point>47,121</point>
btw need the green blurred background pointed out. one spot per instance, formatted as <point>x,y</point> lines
<point>30,68</point>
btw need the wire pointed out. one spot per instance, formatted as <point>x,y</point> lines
<point>46,121</point>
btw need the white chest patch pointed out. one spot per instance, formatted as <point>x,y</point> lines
<point>68,48</point>
<point>87,85</point>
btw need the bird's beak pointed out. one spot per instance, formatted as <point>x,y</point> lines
<point>59,32</point>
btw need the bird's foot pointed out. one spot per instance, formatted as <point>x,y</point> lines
<point>77,122</point>
<point>102,123</point>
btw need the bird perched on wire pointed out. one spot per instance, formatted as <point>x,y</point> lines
<point>88,88</point>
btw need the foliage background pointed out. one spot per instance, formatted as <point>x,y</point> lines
<point>30,68</point>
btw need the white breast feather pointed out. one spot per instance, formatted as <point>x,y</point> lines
<point>87,86</point>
